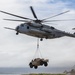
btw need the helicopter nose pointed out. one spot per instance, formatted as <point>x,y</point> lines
<point>17,28</point>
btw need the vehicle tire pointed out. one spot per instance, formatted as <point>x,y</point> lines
<point>45,64</point>
<point>35,67</point>
<point>41,63</point>
<point>31,66</point>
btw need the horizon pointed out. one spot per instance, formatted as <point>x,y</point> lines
<point>28,70</point>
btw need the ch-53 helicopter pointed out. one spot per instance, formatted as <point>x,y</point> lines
<point>37,27</point>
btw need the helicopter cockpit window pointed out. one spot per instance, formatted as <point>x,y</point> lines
<point>22,25</point>
<point>27,27</point>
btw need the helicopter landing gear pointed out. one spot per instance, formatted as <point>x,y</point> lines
<point>17,33</point>
<point>41,39</point>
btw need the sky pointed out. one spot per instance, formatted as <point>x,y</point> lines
<point>18,51</point>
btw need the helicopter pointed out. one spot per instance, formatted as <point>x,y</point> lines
<point>37,27</point>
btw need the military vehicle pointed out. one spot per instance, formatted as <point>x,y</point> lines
<point>38,62</point>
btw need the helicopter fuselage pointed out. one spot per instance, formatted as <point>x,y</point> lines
<point>48,32</point>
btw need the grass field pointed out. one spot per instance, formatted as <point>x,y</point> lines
<point>43,74</point>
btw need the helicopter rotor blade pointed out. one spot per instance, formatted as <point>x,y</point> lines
<point>15,15</point>
<point>15,20</point>
<point>55,15</point>
<point>33,12</point>
<point>59,20</point>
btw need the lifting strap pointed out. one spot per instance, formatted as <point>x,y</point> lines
<point>37,52</point>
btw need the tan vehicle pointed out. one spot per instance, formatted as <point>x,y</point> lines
<point>38,62</point>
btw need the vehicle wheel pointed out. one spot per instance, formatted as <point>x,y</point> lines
<point>41,39</point>
<point>41,63</point>
<point>45,64</point>
<point>31,66</point>
<point>35,67</point>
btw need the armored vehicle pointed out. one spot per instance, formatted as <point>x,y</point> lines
<point>38,62</point>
